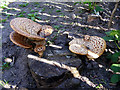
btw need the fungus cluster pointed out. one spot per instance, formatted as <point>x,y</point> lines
<point>29,34</point>
<point>91,46</point>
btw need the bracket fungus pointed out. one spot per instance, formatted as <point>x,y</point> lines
<point>91,46</point>
<point>29,34</point>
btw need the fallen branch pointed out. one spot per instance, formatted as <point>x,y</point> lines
<point>111,17</point>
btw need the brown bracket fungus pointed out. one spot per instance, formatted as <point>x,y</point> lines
<point>91,46</point>
<point>78,49</point>
<point>27,33</point>
<point>45,31</point>
<point>19,40</point>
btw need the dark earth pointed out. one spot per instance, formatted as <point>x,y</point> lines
<point>69,21</point>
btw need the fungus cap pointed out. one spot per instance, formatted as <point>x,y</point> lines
<point>46,31</point>
<point>78,49</point>
<point>28,28</point>
<point>96,45</point>
<point>40,49</point>
<point>19,40</point>
<point>92,46</point>
<point>79,41</point>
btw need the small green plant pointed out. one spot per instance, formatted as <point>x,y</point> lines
<point>72,23</point>
<point>58,10</point>
<point>98,86</point>
<point>116,76</point>
<point>98,8</point>
<point>8,15</point>
<point>3,20</point>
<point>23,5</point>
<point>49,42</point>
<point>50,12</point>
<point>29,8</point>
<point>21,14</point>
<point>5,65</point>
<point>33,11</point>
<point>34,16</point>
<point>7,9</point>
<point>91,6</point>
<point>13,9</point>
<point>38,6</point>
<point>77,3</point>
<point>57,33</point>
<point>43,9</point>
<point>57,27</point>
<point>36,3</point>
<point>114,35</point>
<point>62,15</point>
<point>86,28</point>
<point>56,19</point>
<point>3,6</point>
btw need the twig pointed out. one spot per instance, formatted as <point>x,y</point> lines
<point>111,17</point>
<point>102,28</point>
